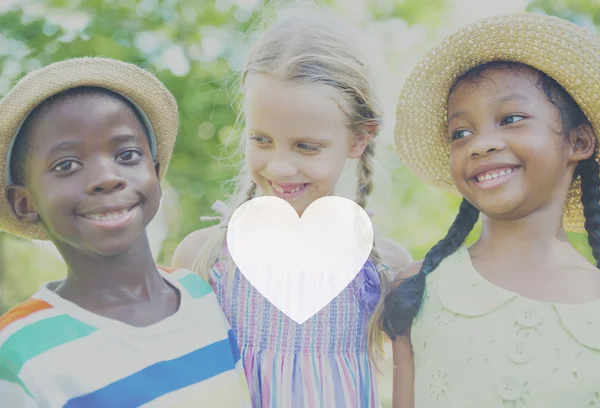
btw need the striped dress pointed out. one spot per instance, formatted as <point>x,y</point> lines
<point>55,354</point>
<point>322,363</point>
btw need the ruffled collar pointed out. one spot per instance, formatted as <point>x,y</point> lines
<point>462,290</point>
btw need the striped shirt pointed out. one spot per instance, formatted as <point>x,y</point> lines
<point>54,353</point>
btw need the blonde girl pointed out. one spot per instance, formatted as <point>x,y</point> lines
<point>309,105</point>
<point>506,112</point>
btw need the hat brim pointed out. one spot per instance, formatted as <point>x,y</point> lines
<point>136,84</point>
<point>565,52</point>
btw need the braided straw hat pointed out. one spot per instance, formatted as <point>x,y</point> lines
<point>150,97</point>
<point>560,49</point>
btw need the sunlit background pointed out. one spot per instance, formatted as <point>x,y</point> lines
<point>196,48</point>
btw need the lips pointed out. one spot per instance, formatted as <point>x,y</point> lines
<point>108,213</point>
<point>493,171</point>
<point>288,191</point>
<point>494,174</point>
<point>287,188</point>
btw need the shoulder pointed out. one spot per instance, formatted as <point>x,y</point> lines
<point>186,251</point>
<point>21,325</point>
<point>409,270</point>
<point>394,255</point>
<point>22,312</point>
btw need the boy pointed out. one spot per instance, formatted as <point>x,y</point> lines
<point>85,143</point>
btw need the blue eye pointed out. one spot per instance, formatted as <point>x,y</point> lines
<point>510,119</point>
<point>259,139</point>
<point>308,147</point>
<point>459,134</point>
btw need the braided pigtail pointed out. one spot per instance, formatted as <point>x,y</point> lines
<point>250,193</point>
<point>403,303</point>
<point>365,183</point>
<point>365,175</point>
<point>590,198</point>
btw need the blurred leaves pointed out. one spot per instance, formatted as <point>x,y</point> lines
<point>195,48</point>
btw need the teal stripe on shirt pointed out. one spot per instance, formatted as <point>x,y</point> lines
<point>37,338</point>
<point>195,285</point>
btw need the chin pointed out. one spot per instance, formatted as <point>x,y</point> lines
<point>501,210</point>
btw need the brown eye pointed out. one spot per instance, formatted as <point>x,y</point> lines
<point>510,119</point>
<point>66,165</point>
<point>459,134</point>
<point>128,155</point>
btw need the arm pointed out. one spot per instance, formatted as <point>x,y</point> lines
<point>404,368</point>
<point>188,249</point>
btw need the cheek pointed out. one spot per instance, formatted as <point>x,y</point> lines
<point>324,169</point>
<point>456,165</point>
<point>256,158</point>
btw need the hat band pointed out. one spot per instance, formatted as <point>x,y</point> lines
<point>145,123</point>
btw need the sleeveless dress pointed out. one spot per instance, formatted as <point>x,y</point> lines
<point>322,363</point>
<point>478,345</point>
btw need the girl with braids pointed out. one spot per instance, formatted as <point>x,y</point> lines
<point>506,112</point>
<point>309,106</point>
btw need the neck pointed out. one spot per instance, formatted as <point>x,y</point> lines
<point>535,236</point>
<point>103,281</point>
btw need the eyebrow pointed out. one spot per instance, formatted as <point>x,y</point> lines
<point>506,98</point>
<point>310,139</point>
<point>512,97</point>
<point>73,144</point>
<point>62,146</point>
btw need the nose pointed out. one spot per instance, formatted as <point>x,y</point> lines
<point>105,178</point>
<point>486,143</point>
<point>282,167</point>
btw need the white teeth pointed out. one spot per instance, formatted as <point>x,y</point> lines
<point>282,191</point>
<point>107,217</point>
<point>491,176</point>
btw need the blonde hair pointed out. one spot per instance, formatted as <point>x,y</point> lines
<point>307,44</point>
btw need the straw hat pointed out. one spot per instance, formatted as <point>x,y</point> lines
<point>156,105</point>
<point>560,49</point>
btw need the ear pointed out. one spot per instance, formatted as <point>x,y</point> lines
<point>360,140</point>
<point>157,168</point>
<point>583,143</point>
<point>157,171</point>
<point>21,205</point>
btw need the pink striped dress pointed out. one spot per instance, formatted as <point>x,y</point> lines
<point>322,363</point>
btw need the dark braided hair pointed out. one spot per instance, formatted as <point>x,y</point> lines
<point>590,198</point>
<point>403,302</point>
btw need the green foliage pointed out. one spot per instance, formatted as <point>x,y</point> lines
<point>208,40</point>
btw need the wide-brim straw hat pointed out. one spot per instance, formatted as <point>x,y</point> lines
<point>155,104</point>
<point>562,50</point>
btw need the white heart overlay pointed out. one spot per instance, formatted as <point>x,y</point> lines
<point>300,264</point>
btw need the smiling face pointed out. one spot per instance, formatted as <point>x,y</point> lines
<point>297,139</point>
<point>507,156</point>
<point>90,177</point>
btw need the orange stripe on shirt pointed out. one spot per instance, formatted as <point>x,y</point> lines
<point>168,270</point>
<point>23,310</point>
